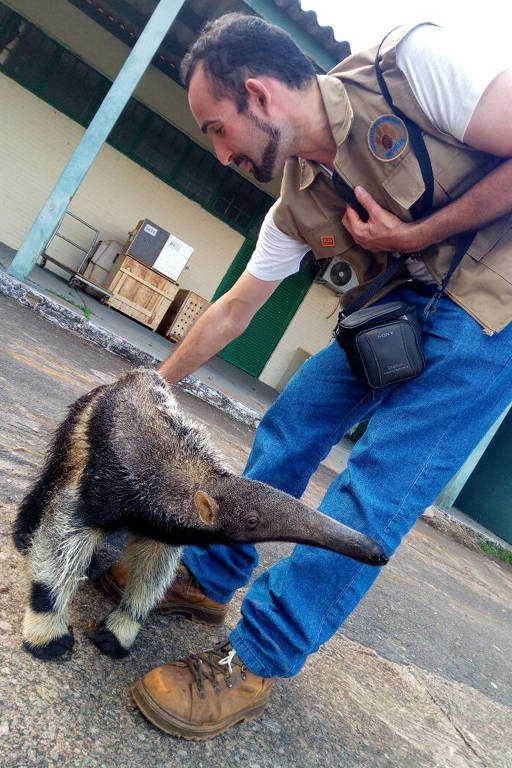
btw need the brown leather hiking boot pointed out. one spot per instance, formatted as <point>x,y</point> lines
<point>202,696</point>
<point>185,595</point>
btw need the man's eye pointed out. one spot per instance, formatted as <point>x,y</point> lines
<point>219,131</point>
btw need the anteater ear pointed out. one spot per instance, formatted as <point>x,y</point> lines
<point>207,508</point>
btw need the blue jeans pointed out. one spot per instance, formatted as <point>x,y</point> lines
<point>419,434</point>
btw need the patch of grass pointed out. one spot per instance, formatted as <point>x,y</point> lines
<point>82,307</point>
<point>502,554</point>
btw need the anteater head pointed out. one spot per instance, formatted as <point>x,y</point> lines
<point>244,510</point>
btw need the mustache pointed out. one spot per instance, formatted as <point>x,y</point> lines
<point>239,159</point>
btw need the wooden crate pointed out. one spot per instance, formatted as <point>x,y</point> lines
<point>140,291</point>
<point>182,314</point>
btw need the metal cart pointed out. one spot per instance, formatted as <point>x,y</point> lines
<point>77,277</point>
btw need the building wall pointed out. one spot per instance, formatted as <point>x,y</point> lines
<point>310,330</point>
<point>36,141</point>
<point>76,31</point>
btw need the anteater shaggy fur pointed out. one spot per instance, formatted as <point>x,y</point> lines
<point>126,457</point>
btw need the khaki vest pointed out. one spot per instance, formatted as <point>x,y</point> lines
<point>311,211</point>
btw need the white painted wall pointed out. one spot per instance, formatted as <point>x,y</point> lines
<point>36,142</point>
<point>310,329</point>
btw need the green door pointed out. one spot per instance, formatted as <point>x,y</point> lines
<point>252,349</point>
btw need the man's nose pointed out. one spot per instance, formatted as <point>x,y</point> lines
<point>224,154</point>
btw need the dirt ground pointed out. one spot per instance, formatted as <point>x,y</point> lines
<point>420,675</point>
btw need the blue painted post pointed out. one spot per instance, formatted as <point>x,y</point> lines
<point>93,139</point>
<point>457,483</point>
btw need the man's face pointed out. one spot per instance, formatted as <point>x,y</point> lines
<point>244,138</point>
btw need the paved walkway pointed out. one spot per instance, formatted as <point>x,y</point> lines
<point>420,676</point>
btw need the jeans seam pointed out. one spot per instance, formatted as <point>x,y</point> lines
<point>352,410</point>
<point>385,530</point>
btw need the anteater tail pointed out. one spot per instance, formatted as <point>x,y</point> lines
<point>32,507</point>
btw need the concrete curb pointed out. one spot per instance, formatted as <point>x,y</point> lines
<point>51,310</point>
<point>461,531</point>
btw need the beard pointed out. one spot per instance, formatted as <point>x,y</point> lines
<point>266,169</point>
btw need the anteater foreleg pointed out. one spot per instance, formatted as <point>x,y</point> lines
<point>152,567</point>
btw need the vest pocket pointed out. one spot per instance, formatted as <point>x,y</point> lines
<point>459,170</point>
<point>331,239</point>
<point>404,186</point>
<point>492,246</point>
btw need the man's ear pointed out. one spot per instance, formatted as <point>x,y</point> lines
<point>259,91</point>
<point>207,508</point>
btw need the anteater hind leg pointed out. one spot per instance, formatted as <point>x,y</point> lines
<point>152,567</point>
<point>60,553</point>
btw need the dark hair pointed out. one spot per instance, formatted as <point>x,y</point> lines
<point>236,46</point>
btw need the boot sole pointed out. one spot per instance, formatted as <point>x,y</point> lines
<point>175,726</point>
<point>205,616</point>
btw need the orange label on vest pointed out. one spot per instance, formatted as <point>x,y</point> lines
<point>327,241</point>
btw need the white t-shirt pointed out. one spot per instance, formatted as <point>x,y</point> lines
<point>448,81</point>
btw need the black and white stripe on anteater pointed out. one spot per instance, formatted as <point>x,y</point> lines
<point>126,457</point>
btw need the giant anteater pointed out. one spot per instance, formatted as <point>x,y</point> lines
<point>126,457</point>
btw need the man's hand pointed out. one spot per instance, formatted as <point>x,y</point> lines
<point>222,322</point>
<point>383,231</point>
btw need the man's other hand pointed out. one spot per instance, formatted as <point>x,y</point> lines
<point>383,231</point>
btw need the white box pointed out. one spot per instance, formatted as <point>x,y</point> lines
<point>172,258</point>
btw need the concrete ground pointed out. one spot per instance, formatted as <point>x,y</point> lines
<point>420,675</point>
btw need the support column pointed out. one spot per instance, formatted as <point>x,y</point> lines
<point>95,136</point>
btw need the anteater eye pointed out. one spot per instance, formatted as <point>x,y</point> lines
<point>253,522</point>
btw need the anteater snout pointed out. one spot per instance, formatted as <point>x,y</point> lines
<point>373,553</point>
<point>380,557</point>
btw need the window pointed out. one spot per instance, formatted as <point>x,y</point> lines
<point>80,102</point>
<point>129,126</point>
<point>160,146</point>
<point>200,174</point>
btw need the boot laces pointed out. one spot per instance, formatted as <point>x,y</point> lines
<point>213,663</point>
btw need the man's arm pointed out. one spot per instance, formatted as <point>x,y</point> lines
<point>226,319</point>
<point>488,130</point>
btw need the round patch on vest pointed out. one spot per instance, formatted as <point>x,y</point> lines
<point>387,137</point>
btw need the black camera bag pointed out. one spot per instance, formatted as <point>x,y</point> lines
<point>383,343</point>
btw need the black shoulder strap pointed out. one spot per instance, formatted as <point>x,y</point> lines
<point>424,204</point>
<point>375,286</point>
